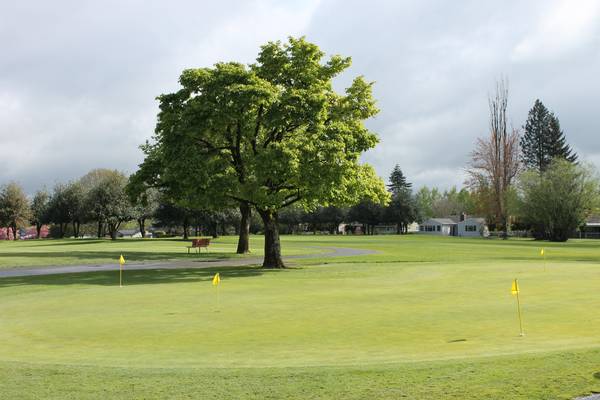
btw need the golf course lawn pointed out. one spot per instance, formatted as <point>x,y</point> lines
<point>31,253</point>
<point>424,317</point>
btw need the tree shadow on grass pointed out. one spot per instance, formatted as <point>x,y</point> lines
<point>92,241</point>
<point>137,277</point>
<point>105,256</point>
<point>74,242</point>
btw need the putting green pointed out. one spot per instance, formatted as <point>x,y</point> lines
<point>379,310</point>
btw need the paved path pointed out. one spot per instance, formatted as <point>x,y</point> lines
<point>176,264</point>
<point>592,397</point>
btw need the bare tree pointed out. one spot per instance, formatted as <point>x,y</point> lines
<point>495,161</point>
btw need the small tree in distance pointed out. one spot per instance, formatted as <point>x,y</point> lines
<point>495,161</point>
<point>559,200</point>
<point>108,202</point>
<point>14,207</point>
<point>39,210</point>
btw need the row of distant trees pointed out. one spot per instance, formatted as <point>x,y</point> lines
<point>102,199</point>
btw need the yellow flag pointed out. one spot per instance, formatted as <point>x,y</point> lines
<point>542,252</point>
<point>216,279</point>
<point>121,260</point>
<point>515,288</point>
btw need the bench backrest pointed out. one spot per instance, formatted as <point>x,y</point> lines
<point>200,242</point>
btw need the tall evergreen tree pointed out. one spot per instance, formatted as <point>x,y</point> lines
<point>557,143</point>
<point>398,183</point>
<point>543,139</point>
<point>533,142</point>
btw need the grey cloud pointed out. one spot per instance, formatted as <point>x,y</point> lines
<point>78,79</point>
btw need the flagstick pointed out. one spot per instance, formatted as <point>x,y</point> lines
<point>545,269</point>
<point>120,275</point>
<point>519,312</point>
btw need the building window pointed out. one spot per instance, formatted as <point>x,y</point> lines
<point>471,228</point>
<point>439,228</point>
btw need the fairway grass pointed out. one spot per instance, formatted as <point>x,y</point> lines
<point>59,252</point>
<point>424,317</point>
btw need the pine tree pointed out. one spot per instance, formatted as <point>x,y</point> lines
<point>533,142</point>
<point>558,147</point>
<point>398,183</point>
<point>543,139</point>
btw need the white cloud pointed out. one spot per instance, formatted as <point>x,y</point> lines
<point>566,26</point>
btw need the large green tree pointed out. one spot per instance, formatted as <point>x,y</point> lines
<point>269,135</point>
<point>14,207</point>
<point>557,201</point>
<point>543,139</point>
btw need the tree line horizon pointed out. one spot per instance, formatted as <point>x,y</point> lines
<point>273,137</point>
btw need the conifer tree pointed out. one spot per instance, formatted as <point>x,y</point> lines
<point>558,147</point>
<point>533,142</point>
<point>543,139</point>
<point>398,182</point>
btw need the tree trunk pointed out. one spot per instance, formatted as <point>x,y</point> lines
<point>214,226</point>
<point>99,229</point>
<point>14,230</point>
<point>75,229</point>
<point>185,228</point>
<point>113,229</point>
<point>142,225</point>
<point>38,230</point>
<point>272,244</point>
<point>243,246</point>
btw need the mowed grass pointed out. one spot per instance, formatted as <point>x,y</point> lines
<point>56,252</point>
<point>423,318</point>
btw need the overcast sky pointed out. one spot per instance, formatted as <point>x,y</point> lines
<point>78,79</point>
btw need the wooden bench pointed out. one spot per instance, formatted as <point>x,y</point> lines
<point>198,244</point>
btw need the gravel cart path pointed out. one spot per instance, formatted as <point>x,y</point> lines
<point>176,264</point>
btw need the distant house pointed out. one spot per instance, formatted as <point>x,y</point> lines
<point>439,226</point>
<point>473,227</point>
<point>129,233</point>
<point>455,226</point>
<point>591,228</point>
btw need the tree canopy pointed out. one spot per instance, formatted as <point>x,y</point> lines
<point>39,210</point>
<point>398,182</point>
<point>14,207</point>
<point>558,201</point>
<point>543,139</point>
<point>269,134</point>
